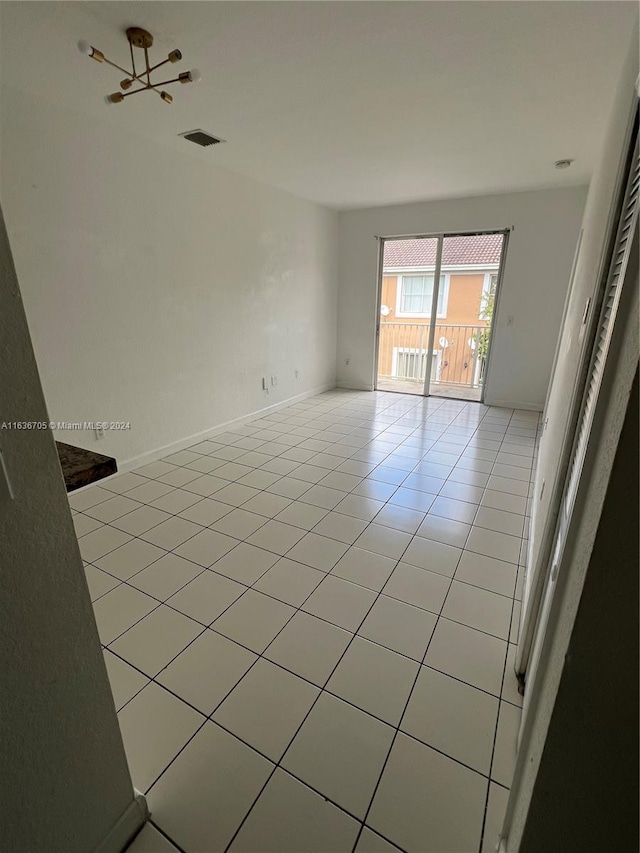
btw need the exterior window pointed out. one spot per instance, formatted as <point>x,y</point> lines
<point>409,363</point>
<point>415,294</point>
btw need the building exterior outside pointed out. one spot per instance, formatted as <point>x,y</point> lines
<point>469,273</point>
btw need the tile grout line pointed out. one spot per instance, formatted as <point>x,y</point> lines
<point>495,736</point>
<point>239,541</point>
<point>422,663</point>
<point>418,461</point>
<point>322,690</point>
<point>164,835</point>
<point>286,475</point>
<point>210,567</point>
<point>233,548</point>
<point>404,712</point>
<point>259,657</point>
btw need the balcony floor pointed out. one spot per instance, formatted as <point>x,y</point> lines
<point>438,389</point>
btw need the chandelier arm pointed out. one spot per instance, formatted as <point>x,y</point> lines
<point>166,82</point>
<point>164,62</point>
<point>120,68</point>
<point>133,62</point>
<point>153,68</point>
<point>146,62</point>
<point>143,89</point>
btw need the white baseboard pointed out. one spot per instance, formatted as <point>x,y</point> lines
<point>182,443</point>
<point>515,404</point>
<point>351,386</point>
<point>128,824</point>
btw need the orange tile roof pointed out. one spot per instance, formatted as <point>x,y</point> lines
<point>456,251</point>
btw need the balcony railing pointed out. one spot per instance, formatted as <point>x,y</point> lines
<point>458,353</point>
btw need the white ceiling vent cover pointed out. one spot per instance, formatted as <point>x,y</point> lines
<point>201,137</point>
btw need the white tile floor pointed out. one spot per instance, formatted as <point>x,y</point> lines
<point>309,624</point>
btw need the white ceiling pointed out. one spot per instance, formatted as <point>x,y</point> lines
<point>350,104</point>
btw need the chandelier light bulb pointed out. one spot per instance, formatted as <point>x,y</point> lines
<point>85,47</point>
<point>192,76</point>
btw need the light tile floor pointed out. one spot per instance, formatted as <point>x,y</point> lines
<point>309,626</point>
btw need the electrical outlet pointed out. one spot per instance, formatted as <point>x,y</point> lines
<point>297,374</point>
<point>346,361</point>
<point>274,381</point>
<point>99,433</point>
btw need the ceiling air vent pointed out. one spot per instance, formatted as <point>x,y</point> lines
<point>201,137</point>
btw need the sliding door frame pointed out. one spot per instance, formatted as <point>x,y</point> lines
<point>440,236</point>
<point>433,318</point>
<point>496,307</point>
<point>378,306</point>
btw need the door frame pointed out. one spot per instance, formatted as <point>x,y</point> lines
<point>440,236</point>
<point>433,319</point>
<point>538,571</point>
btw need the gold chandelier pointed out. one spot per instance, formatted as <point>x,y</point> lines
<point>137,37</point>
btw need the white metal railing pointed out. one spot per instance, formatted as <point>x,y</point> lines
<point>459,353</point>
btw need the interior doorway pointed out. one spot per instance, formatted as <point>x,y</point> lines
<point>437,301</point>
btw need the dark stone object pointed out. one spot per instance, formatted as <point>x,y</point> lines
<point>81,467</point>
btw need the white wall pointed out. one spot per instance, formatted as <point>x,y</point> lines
<point>65,781</point>
<point>160,290</point>
<point>541,250</point>
<point>610,413</point>
<point>588,271</point>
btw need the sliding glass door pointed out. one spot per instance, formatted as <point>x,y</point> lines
<point>437,300</point>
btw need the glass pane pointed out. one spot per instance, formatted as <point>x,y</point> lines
<point>405,308</point>
<point>463,326</point>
